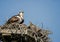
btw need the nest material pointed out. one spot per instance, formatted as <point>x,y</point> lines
<point>41,35</point>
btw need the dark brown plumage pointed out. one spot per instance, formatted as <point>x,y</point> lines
<point>12,20</point>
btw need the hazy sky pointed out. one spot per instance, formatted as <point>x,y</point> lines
<point>36,11</point>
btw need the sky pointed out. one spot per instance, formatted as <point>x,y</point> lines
<point>36,11</point>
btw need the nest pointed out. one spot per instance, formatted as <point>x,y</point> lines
<point>40,35</point>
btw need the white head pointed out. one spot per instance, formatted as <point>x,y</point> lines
<point>21,14</point>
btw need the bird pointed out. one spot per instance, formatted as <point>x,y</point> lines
<point>19,18</point>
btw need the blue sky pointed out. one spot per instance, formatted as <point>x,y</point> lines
<point>36,11</point>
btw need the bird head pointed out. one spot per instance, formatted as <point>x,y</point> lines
<point>21,14</point>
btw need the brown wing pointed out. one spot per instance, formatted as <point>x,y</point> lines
<point>13,19</point>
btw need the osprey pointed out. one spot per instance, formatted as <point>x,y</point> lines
<point>17,18</point>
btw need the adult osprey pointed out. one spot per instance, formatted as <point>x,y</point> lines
<point>17,18</point>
